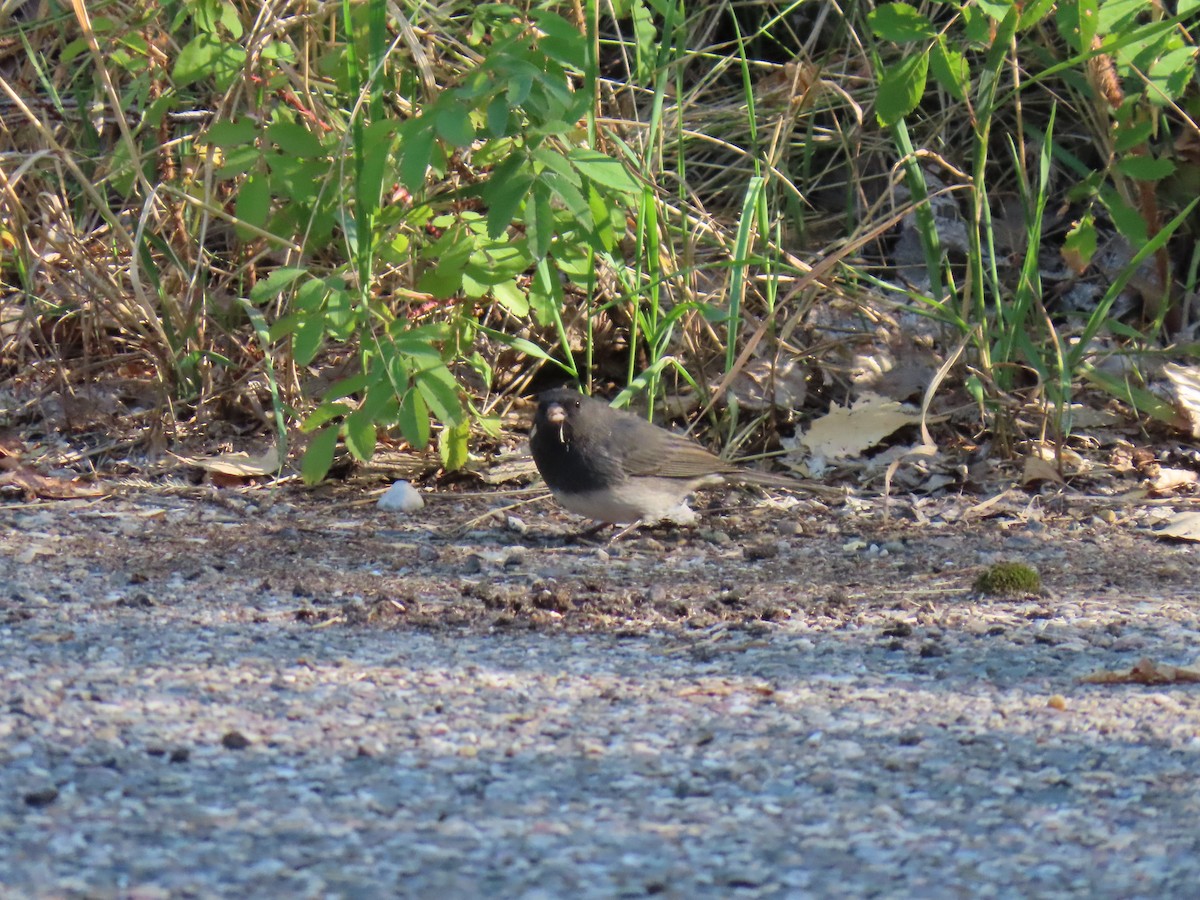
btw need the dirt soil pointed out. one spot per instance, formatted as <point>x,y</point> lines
<point>223,693</point>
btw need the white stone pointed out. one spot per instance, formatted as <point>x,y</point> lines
<point>401,497</point>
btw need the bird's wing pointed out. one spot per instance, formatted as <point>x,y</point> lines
<point>670,456</point>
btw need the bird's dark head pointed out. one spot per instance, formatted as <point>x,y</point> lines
<point>555,411</point>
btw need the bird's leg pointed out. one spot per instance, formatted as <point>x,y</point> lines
<point>587,533</point>
<point>626,531</point>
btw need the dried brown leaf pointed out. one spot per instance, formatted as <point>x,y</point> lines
<point>44,487</point>
<point>1145,671</point>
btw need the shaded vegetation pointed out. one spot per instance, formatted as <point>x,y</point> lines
<point>364,221</point>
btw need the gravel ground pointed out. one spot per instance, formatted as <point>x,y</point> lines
<point>292,695</point>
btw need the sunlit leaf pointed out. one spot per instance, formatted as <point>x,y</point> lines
<point>453,446</point>
<point>950,69</point>
<point>319,456</point>
<point>414,419</point>
<point>603,170</point>
<point>440,391</point>
<point>901,88</point>
<point>207,56</point>
<point>900,23</point>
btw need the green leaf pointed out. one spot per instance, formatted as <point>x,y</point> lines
<point>227,135</point>
<point>1130,136</point>
<point>296,178</point>
<point>310,296</point>
<point>1119,15</point>
<point>509,295</point>
<point>606,221</point>
<point>570,196</point>
<point>451,254</point>
<point>504,193</point>
<point>901,88</point>
<point>453,446</point>
<point>498,116</point>
<point>309,337</point>
<point>319,456</point>
<point>950,69</point>
<point>539,222</point>
<point>416,148</point>
<point>1001,39</point>
<point>976,26</point>
<point>453,124</point>
<point>1125,390</point>
<point>900,23</point>
<point>376,152</point>
<point>440,391</point>
<point>556,162</point>
<point>521,345</point>
<point>1128,220</point>
<point>996,9</point>
<point>1080,244</point>
<point>238,161</point>
<point>545,292</point>
<point>1170,74</point>
<point>603,170</point>
<point>360,435</point>
<point>295,140</point>
<point>207,56</point>
<point>1145,168</point>
<point>976,389</point>
<point>275,283</point>
<point>253,204</point>
<point>326,412</point>
<point>563,42</point>
<point>228,17</point>
<point>414,419</point>
<point>520,84</point>
<point>1033,12</point>
<point>283,327</point>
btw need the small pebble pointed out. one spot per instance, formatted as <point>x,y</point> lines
<point>401,497</point>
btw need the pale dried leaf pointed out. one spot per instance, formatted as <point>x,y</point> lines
<point>1183,526</point>
<point>502,471</point>
<point>1169,481</point>
<point>238,465</point>
<point>1185,384</point>
<point>1036,469</point>
<point>848,431</point>
<point>1072,463</point>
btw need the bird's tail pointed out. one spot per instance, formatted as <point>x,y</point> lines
<point>765,479</point>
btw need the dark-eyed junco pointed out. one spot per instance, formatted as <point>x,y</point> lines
<point>613,466</point>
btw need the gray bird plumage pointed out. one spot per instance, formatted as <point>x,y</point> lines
<point>613,466</point>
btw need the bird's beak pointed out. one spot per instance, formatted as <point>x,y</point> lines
<point>556,414</point>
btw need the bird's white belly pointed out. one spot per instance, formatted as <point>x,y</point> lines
<point>648,500</point>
